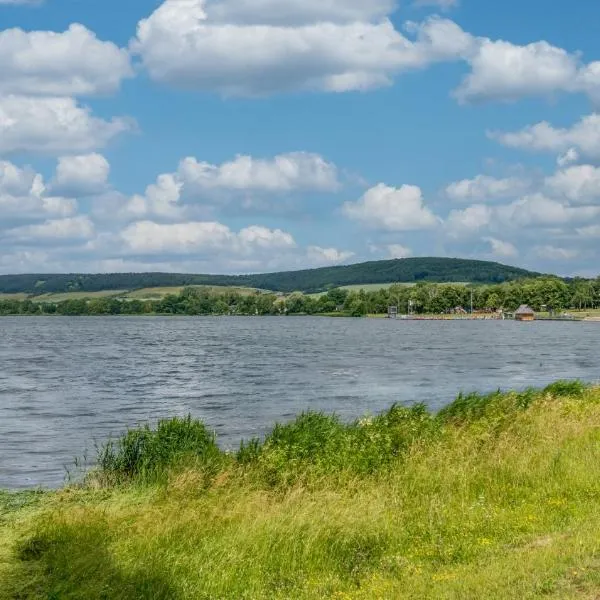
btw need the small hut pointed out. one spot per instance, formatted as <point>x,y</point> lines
<point>525,313</point>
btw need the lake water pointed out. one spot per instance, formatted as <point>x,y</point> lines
<point>68,383</point>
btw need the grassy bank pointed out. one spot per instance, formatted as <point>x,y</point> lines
<point>496,497</point>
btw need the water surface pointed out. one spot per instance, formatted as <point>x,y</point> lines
<point>66,383</point>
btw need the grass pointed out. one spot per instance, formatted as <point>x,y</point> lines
<point>157,293</point>
<point>498,496</point>
<point>78,296</point>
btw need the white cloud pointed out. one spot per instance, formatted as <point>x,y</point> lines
<point>24,195</point>
<point>296,171</point>
<point>398,251</point>
<point>501,249</point>
<point>569,157</point>
<point>469,221</point>
<point>197,182</point>
<point>82,175</point>
<point>257,47</point>
<point>69,229</point>
<point>583,137</point>
<point>392,209</point>
<point>14,180</point>
<point>579,184</point>
<point>484,187</point>
<point>53,126</point>
<point>589,232</point>
<point>161,199</point>
<point>327,256</point>
<point>60,64</point>
<point>239,47</point>
<point>147,237</point>
<point>504,71</point>
<point>537,209</point>
<point>262,237</point>
<point>558,254</point>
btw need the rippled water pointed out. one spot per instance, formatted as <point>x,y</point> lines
<point>66,383</point>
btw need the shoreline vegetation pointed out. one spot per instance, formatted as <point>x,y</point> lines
<point>549,296</point>
<point>495,496</point>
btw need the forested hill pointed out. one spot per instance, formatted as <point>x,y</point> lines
<point>409,270</point>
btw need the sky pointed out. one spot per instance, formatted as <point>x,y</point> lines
<point>236,136</point>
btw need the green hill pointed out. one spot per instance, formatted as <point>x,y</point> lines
<point>409,270</point>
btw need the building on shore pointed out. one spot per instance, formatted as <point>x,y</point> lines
<point>525,313</point>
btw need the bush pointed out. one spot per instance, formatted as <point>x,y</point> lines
<point>149,453</point>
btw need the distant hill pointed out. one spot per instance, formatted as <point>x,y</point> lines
<point>409,270</point>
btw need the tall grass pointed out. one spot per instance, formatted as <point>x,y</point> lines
<point>497,496</point>
<point>147,454</point>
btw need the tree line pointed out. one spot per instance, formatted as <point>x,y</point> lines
<point>547,293</point>
<point>409,270</point>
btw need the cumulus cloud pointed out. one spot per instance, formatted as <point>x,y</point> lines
<point>238,47</point>
<point>539,210</point>
<point>296,171</point>
<point>501,249</point>
<point>555,253</point>
<point>53,125</point>
<point>258,47</point>
<point>16,181</point>
<point>569,157</point>
<point>197,182</point>
<point>398,251</point>
<point>484,187</point>
<point>469,221</point>
<point>392,209</point>
<point>24,195</point>
<point>147,237</point>
<point>161,199</point>
<point>589,231</point>
<point>327,256</point>
<point>69,229</point>
<point>504,71</point>
<point>81,175</point>
<point>582,138</point>
<point>579,184</point>
<point>71,63</point>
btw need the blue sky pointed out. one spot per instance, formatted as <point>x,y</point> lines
<point>256,135</point>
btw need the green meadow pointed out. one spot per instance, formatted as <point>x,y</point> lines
<point>497,496</point>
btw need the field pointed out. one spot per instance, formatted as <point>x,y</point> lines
<point>13,296</point>
<point>142,294</point>
<point>367,287</point>
<point>374,287</point>
<point>497,497</point>
<point>161,292</point>
<point>78,296</point>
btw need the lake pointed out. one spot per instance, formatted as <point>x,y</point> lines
<point>69,383</point>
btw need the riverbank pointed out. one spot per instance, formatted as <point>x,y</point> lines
<point>496,497</point>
